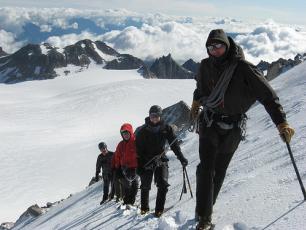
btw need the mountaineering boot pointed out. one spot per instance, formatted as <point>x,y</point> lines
<point>204,224</point>
<point>144,201</point>
<point>158,213</point>
<point>118,199</point>
<point>144,211</point>
<point>103,200</point>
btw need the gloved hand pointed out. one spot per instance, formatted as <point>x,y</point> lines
<point>285,131</point>
<point>183,160</point>
<point>140,171</point>
<point>194,110</point>
<point>96,178</point>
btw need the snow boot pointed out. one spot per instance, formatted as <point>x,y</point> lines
<point>205,224</point>
<point>158,213</point>
<point>144,200</point>
<point>144,211</point>
<point>105,198</point>
<point>102,202</point>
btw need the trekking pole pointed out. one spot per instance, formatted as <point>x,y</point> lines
<point>184,189</point>
<point>296,170</point>
<point>185,172</point>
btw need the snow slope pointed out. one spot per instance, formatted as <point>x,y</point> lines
<point>50,130</point>
<point>260,191</point>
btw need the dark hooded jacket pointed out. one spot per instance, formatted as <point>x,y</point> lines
<point>151,140</point>
<point>246,86</point>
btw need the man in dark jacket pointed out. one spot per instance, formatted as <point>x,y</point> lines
<point>227,86</point>
<point>150,142</point>
<point>105,161</point>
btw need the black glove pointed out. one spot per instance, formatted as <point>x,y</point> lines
<point>183,160</point>
<point>140,171</point>
<point>96,178</point>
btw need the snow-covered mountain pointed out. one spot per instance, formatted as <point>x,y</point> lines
<point>40,62</point>
<point>50,130</point>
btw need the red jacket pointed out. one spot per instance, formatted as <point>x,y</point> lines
<point>125,154</point>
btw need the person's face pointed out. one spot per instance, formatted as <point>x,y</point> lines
<point>125,135</point>
<point>154,118</point>
<point>104,151</point>
<point>216,49</point>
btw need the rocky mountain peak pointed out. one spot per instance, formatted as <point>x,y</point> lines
<point>280,66</point>
<point>191,65</point>
<point>2,53</point>
<point>166,68</point>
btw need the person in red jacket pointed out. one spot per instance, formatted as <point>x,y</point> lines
<point>125,163</point>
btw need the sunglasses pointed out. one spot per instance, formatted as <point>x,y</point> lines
<point>214,46</point>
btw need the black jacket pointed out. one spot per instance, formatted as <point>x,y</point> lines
<point>151,141</point>
<point>105,162</point>
<point>246,86</point>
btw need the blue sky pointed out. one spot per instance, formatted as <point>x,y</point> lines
<point>282,11</point>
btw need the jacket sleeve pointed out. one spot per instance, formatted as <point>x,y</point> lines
<point>116,157</point>
<point>264,93</point>
<point>140,148</point>
<point>200,91</point>
<point>98,165</point>
<point>175,147</point>
<point>113,164</point>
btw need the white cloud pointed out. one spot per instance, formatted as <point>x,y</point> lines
<point>182,41</point>
<point>272,41</point>
<point>154,35</point>
<point>8,42</point>
<point>70,39</point>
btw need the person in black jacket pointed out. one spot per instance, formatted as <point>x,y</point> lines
<point>105,161</point>
<point>227,86</point>
<point>150,142</point>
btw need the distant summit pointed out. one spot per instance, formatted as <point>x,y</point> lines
<point>38,62</point>
<point>281,65</point>
<point>192,66</point>
<point>166,68</point>
<point>2,53</point>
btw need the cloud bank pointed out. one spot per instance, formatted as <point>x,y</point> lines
<point>147,36</point>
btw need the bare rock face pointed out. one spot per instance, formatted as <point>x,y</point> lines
<point>192,66</point>
<point>167,68</point>
<point>30,63</point>
<point>38,62</point>
<point>178,115</point>
<point>81,52</point>
<point>2,53</point>
<point>263,66</point>
<point>6,225</point>
<point>125,61</point>
<point>29,215</point>
<point>280,66</point>
<point>145,72</point>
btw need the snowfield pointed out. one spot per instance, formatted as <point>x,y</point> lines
<point>50,131</point>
